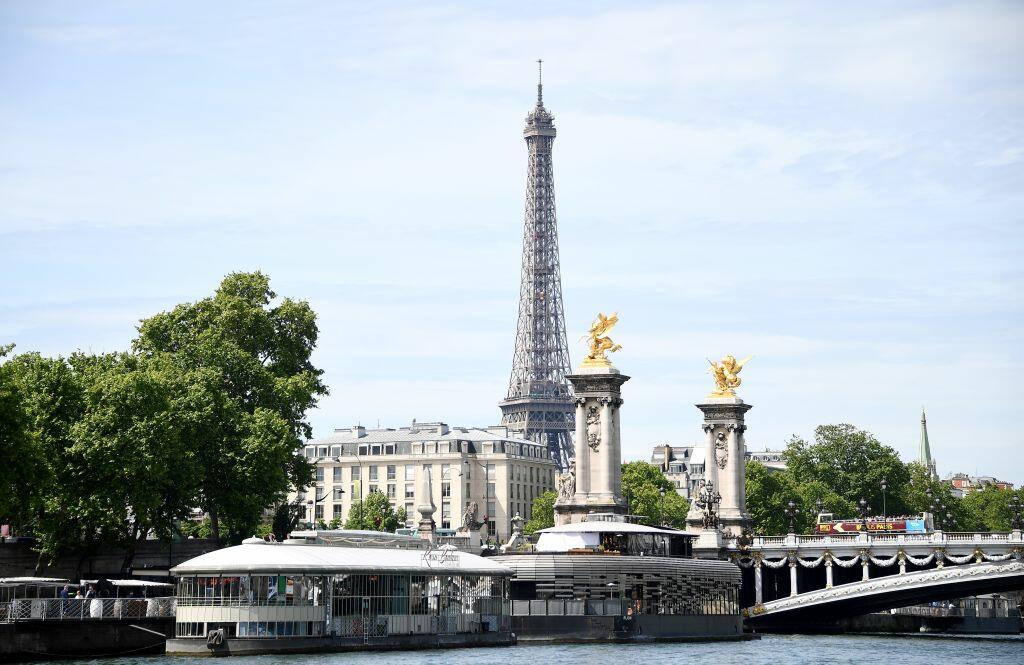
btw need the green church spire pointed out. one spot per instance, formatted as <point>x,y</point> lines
<point>925,451</point>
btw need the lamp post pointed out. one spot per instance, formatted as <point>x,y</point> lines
<point>864,509</point>
<point>1015,507</point>
<point>792,512</point>
<point>662,493</point>
<point>885,486</point>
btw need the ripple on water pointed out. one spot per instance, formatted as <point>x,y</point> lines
<point>770,650</point>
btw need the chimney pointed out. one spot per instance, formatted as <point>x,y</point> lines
<point>358,432</point>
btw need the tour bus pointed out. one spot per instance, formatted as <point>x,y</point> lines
<point>828,525</point>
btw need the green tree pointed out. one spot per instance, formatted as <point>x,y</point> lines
<point>134,473</point>
<point>649,493</point>
<point>23,464</point>
<point>988,509</point>
<point>23,469</point>
<point>53,397</point>
<point>374,513</point>
<point>542,513</point>
<point>251,353</point>
<point>852,464</point>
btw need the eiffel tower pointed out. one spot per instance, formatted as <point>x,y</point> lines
<point>539,405</point>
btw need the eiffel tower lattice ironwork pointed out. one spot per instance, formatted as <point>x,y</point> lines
<point>539,405</point>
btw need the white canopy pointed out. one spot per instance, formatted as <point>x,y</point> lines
<point>274,558</point>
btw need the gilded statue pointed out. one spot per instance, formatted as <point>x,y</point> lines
<point>599,341</point>
<point>726,375</point>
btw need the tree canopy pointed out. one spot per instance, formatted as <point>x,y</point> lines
<point>208,410</point>
<point>542,513</point>
<point>374,513</point>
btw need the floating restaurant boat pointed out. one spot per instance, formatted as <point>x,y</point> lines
<point>261,597</point>
<point>608,579</point>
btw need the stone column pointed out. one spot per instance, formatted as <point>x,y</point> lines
<point>582,459</point>
<point>828,571</point>
<point>607,476</point>
<point>758,583</point>
<point>792,575</point>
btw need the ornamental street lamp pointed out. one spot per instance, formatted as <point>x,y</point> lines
<point>792,512</point>
<point>864,509</point>
<point>885,486</point>
<point>1015,507</point>
<point>662,492</point>
<point>819,505</point>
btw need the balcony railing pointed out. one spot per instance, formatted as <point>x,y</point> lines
<point>817,540</point>
<point>85,609</point>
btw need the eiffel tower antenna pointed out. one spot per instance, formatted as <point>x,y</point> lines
<point>539,405</point>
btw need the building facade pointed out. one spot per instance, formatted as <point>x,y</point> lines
<point>963,484</point>
<point>487,466</point>
<point>683,466</point>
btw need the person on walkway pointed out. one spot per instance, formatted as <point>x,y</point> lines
<point>65,593</point>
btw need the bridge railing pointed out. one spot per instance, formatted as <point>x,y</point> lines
<point>82,609</point>
<point>817,540</point>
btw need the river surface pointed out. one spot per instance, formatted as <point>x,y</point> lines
<point>769,650</point>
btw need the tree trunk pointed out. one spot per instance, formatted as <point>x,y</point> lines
<point>214,525</point>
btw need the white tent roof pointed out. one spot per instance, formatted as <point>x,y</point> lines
<point>271,559</point>
<point>612,527</point>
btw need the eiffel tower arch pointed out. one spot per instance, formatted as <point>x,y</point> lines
<point>539,405</point>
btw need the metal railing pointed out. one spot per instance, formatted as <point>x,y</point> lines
<point>84,609</point>
<point>867,538</point>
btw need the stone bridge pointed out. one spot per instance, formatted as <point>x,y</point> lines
<point>824,606</point>
<point>779,567</point>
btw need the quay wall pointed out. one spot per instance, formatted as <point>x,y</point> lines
<point>19,560</point>
<point>44,640</point>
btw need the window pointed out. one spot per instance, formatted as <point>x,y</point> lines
<point>391,490</point>
<point>375,450</point>
<point>318,512</point>
<point>321,451</point>
<point>389,449</point>
<point>335,451</point>
<point>446,490</point>
<point>408,513</point>
<point>362,450</point>
<point>319,474</point>
<point>446,472</point>
<point>337,511</point>
<point>410,491</point>
<point>531,474</point>
<point>391,471</point>
<point>446,515</point>
<point>468,493</point>
<point>310,451</point>
<point>352,492</point>
<point>338,492</point>
<point>356,472</point>
<point>490,472</point>
<point>373,488</point>
<point>373,474</point>
<point>491,493</point>
<point>337,474</point>
<point>410,472</point>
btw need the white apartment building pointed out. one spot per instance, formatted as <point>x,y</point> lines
<point>502,474</point>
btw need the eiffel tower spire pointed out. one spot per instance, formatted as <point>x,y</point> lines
<point>539,404</point>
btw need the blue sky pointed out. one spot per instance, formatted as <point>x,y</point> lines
<point>838,191</point>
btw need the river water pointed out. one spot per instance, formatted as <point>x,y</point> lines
<point>770,650</point>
